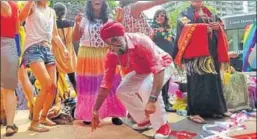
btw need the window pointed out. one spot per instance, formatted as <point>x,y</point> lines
<point>241,38</point>
<point>233,41</point>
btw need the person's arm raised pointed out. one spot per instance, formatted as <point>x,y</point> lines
<point>5,9</point>
<point>26,10</point>
<point>138,7</point>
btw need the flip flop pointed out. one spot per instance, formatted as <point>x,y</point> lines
<point>197,119</point>
<point>48,122</point>
<point>38,128</point>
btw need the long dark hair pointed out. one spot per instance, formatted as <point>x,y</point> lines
<point>166,21</point>
<point>60,10</point>
<point>104,14</point>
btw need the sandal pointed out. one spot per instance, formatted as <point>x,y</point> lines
<point>38,128</point>
<point>197,119</point>
<point>48,122</point>
<point>14,128</point>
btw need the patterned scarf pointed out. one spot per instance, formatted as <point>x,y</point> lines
<point>191,46</point>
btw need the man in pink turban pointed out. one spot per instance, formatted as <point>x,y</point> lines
<point>143,63</point>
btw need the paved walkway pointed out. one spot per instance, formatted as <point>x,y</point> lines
<point>108,131</point>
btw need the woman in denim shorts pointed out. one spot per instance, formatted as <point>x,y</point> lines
<point>41,30</point>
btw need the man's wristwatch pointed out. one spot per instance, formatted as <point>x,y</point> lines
<point>153,98</point>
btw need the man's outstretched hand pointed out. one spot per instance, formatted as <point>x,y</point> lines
<point>95,121</point>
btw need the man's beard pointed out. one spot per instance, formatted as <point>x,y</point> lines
<point>122,48</point>
<point>121,51</point>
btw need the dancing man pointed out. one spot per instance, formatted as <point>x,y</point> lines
<point>138,55</point>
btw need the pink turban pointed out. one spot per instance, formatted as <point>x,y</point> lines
<point>112,29</point>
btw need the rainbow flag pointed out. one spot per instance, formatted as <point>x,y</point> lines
<point>249,42</point>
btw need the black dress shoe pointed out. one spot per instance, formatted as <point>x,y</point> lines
<point>169,109</point>
<point>117,121</point>
<point>86,123</point>
<point>217,116</point>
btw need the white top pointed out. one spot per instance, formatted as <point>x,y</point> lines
<point>39,26</point>
<point>91,33</point>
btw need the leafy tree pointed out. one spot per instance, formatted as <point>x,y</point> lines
<point>75,6</point>
<point>112,5</point>
<point>173,15</point>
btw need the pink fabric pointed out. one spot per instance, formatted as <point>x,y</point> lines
<point>108,109</point>
<point>173,88</point>
<point>143,57</point>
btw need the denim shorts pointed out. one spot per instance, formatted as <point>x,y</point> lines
<point>38,53</point>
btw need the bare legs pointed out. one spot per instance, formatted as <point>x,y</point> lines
<point>10,103</point>
<point>50,96</point>
<point>47,78</point>
<point>27,88</point>
<point>2,113</point>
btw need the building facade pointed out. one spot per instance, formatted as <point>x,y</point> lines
<point>235,28</point>
<point>251,6</point>
<point>223,8</point>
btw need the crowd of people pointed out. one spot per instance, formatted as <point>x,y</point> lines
<point>123,66</point>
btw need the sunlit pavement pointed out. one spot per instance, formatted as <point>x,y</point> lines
<point>108,131</point>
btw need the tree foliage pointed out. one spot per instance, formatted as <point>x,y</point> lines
<point>173,15</point>
<point>112,5</point>
<point>76,6</point>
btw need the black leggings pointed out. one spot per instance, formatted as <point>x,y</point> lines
<point>165,95</point>
<point>72,80</point>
